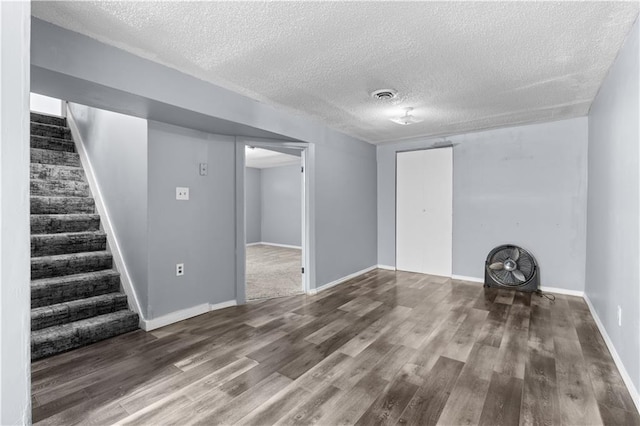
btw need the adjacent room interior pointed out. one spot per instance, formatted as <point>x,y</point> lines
<point>274,194</point>
<point>320,213</point>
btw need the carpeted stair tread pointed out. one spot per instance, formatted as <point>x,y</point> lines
<point>62,223</point>
<point>59,158</point>
<point>42,129</point>
<point>68,242</point>
<point>48,119</point>
<point>61,205</point>
<point>50,291</point>
<point>76,310</point>
<point>54,144</point>
<point>70,264</point>
<point>76,296</point>
<point>59,188</point>
<point>60,338</point>
<point>54,171</point>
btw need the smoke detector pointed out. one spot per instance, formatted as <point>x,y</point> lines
<point>384,94</point>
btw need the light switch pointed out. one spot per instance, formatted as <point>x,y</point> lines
<point>204,169</point>
<point>182,193</point>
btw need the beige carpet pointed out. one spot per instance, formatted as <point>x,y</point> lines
<point>273,272</point>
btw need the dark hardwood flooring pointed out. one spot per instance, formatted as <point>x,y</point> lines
<point>384,348</point>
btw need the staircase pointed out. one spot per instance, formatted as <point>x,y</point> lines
<point>75,293</point>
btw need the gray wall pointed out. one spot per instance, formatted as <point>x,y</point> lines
<point>282,205</point>
<point>524,185</point>
<point>253,205</point>
<point>15,356</point>
<point>345,212</point>
<point>200,232</point>
<point>613,234</point>
<point>116,146</point>
<point>70,66</point>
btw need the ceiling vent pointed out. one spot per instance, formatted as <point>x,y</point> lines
<point>384,94</point>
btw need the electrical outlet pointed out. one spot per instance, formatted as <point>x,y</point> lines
<point>182,193</point>
<point>179,269</point>
<point>204,169</point>
<point>619,316</point>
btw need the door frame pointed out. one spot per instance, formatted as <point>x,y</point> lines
<point>395,199</point>
<point>307,246</point>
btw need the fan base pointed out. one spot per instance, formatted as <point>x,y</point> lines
<point>529,286</point>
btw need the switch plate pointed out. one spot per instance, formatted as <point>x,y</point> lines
<point>182,193</point>
<point>204,169</point>
<point>179,269</point>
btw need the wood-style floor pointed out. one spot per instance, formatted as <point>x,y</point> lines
<point>384,348</point>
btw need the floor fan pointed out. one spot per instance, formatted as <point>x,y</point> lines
<point>513,267</point>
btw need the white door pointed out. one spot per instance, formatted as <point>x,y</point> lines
<point>424,211</point>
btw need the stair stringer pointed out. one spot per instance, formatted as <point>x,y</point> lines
<point>105,221</point>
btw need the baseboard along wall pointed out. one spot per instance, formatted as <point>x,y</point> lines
<point>183,314</point>
<point>465,278</point>
<point>341,280</point>
<point>274,245</point>
<point>614,354</point>
<point>386,267</point>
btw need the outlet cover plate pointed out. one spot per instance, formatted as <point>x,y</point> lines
<point>179,269</point>
<point>182,193</point>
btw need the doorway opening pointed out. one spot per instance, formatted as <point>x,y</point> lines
<point>274,220</point>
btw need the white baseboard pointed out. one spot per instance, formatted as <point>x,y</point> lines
<point>174,317</point>
<point>386,267</point>
<point>465,278</point>
<point>545,289</point>
<point>341,280</point>
<point>614,354</point>
<point>222,305</point>
<point>275,245</point>
<point>577,293</point>
<point>183,314</point>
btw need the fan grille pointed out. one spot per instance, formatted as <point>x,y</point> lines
<point>524,260</point>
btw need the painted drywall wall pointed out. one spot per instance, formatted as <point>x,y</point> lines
<point>199,232</point>
<point>45,104</point>
<point>273,206</point>
<point>345,201</point>
<point>116,146</point>
<point>524,185</point>
<point>15,304</point>
<point>69,65</point>
<point>613,233</point>
<point>253,204</point>
<point>282,205</point>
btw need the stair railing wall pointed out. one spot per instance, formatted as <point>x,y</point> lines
<point>112,240</point>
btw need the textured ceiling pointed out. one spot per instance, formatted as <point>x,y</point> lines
<point>462,66</point>
<point>262,158</point>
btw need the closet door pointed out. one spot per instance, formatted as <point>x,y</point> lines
<point>424,211</point>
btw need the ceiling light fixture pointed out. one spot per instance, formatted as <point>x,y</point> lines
<point>407,118</point>
<point>384,94</point>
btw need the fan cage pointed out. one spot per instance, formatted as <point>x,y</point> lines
<point>526,264</point>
